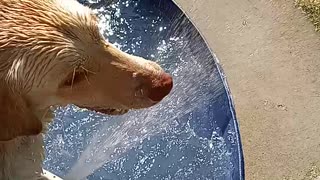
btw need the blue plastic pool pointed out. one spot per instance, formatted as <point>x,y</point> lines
<point>192,135</point>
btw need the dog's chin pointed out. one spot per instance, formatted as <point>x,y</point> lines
<point>108,111</point>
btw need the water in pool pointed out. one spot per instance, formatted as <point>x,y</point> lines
<point>187,136</point>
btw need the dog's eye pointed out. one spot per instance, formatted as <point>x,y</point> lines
<point>74,78</point>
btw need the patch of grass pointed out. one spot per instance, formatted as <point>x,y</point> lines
<point>313,173</point>
<point>312,9</point>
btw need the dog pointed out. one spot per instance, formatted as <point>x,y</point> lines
<point>52,54</point>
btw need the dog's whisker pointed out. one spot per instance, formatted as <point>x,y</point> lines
<point>45,119</point>
<point>45,114</point>
<point>85,75</point>
<point>73,76</point>
<point>88,71</point>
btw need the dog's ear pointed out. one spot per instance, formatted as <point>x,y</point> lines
<point>16,116</point>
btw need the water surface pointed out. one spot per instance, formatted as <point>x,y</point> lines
<point>191,134</point>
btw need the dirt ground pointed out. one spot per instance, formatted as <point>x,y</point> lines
<point>271,56</point>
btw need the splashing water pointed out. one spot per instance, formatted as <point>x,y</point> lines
<point>180,138</point>
<point>134,127</point>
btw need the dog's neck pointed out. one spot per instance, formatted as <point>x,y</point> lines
<point>22,157</point>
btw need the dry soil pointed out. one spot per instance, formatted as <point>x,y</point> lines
<point>270,54</point>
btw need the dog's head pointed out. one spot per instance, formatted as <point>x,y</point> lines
<point>51,53</point>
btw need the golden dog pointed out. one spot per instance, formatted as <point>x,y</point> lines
<point>51,53</point>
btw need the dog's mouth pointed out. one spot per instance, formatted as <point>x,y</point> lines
<point>108,111</point>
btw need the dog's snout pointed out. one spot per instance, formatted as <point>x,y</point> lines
<point>160,88</point>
